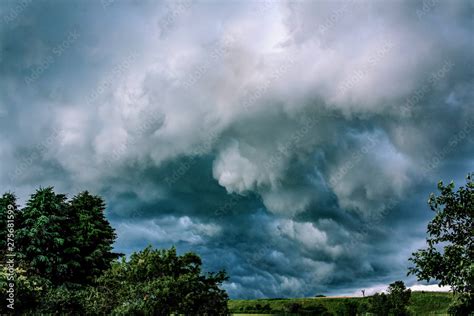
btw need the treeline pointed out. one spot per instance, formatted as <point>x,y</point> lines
<point>394,303</point>
<point>57,258</point>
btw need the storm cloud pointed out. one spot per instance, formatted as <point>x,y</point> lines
<point>293,143</point>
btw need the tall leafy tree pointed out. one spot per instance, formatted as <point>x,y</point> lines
<point>449,256</point>
<point>393,303</point>
<point>42,234</point>
<point>65,241</point>
<point>379,304</point>
<point>399,298</point>
<point>91,239</point>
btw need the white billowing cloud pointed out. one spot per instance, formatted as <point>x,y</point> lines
<point>297,102</point>
<point>369,172</point>
<point>169,229</point>
<point>242,167</point>
<point>237,173</point>
<point>286,201</point>
<point>367,54</point>
<point>239,85</point>
<point>319,270</point>
<point>309,236</point>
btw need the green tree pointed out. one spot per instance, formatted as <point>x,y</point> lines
<point>65,241</point>
<point>42,233</point>
<point>449,256</point>
<point>379,304</point>
<point>399,298</point>
<point>160,282</point>
<point>90,243</point>
<point>393,303</point>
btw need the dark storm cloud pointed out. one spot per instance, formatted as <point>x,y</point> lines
<point>293,144</point>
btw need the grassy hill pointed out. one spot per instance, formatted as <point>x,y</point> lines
<point>422,303</point>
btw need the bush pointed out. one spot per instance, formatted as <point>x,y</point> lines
<point>293,307</point>
<point>28,290</point>
<point>160,282</point>
<point>349,308</point>
<point>395,303</point>
<point>461,305</point>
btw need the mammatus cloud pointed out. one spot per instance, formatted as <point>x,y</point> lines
<point>292,143</point>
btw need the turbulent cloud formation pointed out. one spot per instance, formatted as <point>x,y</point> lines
<point>291,143</point>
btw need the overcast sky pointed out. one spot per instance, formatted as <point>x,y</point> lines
<point>293,144</point>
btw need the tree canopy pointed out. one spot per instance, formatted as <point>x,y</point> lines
<point>66,264</point>
<point>160,282</point>
<point>449,256</point>
<point>64,241</point>
<point>395,302</point>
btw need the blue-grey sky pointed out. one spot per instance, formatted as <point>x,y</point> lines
<point>292,143</point>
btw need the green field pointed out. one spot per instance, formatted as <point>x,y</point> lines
<point>422,303</point>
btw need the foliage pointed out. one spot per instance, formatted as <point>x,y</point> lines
<point>28,290</point>
<point>362,308</point>
<point>311,309</point>
<point>399,298</point>
<point>293,307</point>
<point>66,265</point>
<point>379,304</point>
<point>462,305</point>
<point>394,303</point>
<point>160,282</point>
<point>449,257</point>
<point>428,303</point>
<point>91,237</point>
<point>64,300</point>
<point>65,241</point>
<point>259,308</point>
<point>41,236</point>
<point>348,308</point>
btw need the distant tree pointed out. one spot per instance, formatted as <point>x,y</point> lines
<point>449,257</point>
<point>379,304</point>
<point>393,303</point>
<point>266,308</point>
<point>399,298</point>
